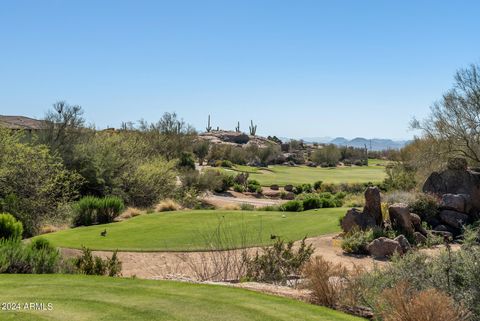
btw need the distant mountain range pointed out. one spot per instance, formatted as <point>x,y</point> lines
<point>375,144</point>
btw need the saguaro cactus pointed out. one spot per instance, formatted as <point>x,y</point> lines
<point>209,128</point>
<point>237,129</point>
<point>253,128</point>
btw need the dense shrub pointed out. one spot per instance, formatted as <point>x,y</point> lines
<point>238,188</point>
<point>187,160</point>
<point>94,265</point>
<point>10,228</point>
<point>356,241</point>
<point>147,183</point>
<point>317,185</point>
<point>254,186</point>
<point>227,182</point>
<point>400,176</point>
<point>292,206</point>
<point>39,257</point>
<point>92,210</point>
<point>34,184</point>
<point>452,272</point>
<point>425,205</point>
<point>311,203</point>
<point>278,262</point>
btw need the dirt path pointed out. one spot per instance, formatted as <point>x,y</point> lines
<point>168,265</point>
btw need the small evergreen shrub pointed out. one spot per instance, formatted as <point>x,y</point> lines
<point>425,205</point>
<point>10,228</point>
<point>238,188</point>
<point>292,206</point>
<point>311,203</point>
<point>253,186</point>
<point>317,185</point>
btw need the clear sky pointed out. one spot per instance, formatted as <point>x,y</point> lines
<point>297,68</point>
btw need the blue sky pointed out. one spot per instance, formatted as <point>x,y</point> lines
<point>297,68</point>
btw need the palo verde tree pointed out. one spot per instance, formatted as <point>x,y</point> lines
<point>454,121</point>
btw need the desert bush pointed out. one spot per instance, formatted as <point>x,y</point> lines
<point>356,241</point>
<point>186,160</point>
<point>400,176</point>
<point>292,206</point>
<point>238,188</point>
<point>278,262</point>
<point>425,205</point>
<point>317,185</point>
<point>254,186</point>
<point>167,205</point>
<point>402,303</point>
<point>227,182</point>
<point>325,280</point>
<point>93,265</point>
<point>311,203</point>
<point>452,272</point>
<point>147,183</point>
<point>39,257</point>
<point>10,228</point>
<point>34,183</point>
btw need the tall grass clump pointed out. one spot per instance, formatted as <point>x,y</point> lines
<point>93,210</point>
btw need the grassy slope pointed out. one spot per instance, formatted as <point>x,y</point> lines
<point>81,298</point>
<point>188,230</point>
<point>283,175</point>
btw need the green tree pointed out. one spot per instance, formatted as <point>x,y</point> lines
<point>34,184</point>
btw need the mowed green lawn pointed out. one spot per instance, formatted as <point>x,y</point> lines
<point>283,175</point>
<point>85,298</point>
<point>194,230</point>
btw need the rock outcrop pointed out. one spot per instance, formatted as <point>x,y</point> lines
<point>370,216</point>
<point>373,205</point>
<point>401,219</point>
<point>355,219</point>
<point>457,179</point>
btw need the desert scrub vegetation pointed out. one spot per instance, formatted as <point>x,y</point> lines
<point>93,265</point>
<point>278,263</point>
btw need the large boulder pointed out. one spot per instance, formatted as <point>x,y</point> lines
<point>355,219</point>
<point>419,238</point>
<point>456,202</point>
<point>417,223</point>
<point>400,218</point>
<point>373,205</point>
<point>456,179</point>
<point>453,218</point>
<point>402,240</point>
<point>384,247</point>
